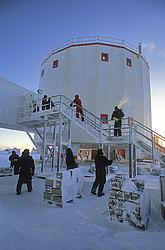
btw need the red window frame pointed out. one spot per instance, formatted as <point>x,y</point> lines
<point>104,57</point>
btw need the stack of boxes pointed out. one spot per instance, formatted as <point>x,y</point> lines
<point>54,191</point>
<point>129,201</point>
<point>57,190</point>
<point>63,187</point>
<point>49,183</point>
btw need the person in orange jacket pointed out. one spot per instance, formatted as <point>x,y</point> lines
<point>79,110</point>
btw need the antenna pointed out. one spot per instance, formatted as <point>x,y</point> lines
<point>140,48</point>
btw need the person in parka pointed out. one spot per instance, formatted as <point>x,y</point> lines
<point>13,158</point>
<point>26,169</point>
<point>70,160</point>
<point>101,162</point>
<point>79,110</point>
<point>117,115</point>
<point>76,176</point>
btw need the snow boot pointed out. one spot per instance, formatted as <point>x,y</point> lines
<point>101,194</point>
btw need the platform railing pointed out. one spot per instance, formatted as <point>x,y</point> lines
<point>94,39</point>
<point>139,134</point>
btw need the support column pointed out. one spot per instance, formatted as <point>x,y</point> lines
<point>54,148</point>
<point>130,124</point>
<point>44,144</point>
<point>59,143</point>
<point>108,155</point>
<point>130,161</point>
<point>69,133</point>
<point>134,161</point>
<point>100,137</point>
<point>109,151</point>
<point>31,138</point>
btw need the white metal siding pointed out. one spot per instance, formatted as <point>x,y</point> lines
<point>9,102</point>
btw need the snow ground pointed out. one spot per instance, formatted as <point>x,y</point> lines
<point>27,222</point>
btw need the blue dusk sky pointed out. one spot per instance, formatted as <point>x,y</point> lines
<point>29,29</point>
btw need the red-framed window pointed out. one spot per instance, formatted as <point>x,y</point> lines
<point>105,57</point>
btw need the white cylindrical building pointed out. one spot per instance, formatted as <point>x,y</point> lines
<point>102,71</point>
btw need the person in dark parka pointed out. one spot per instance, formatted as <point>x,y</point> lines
<point>47,103</point>
<point>117,115</point>
<point>26,171</point>
<point>13,158</point>
<point>101,162</point>
<point>70,160</point>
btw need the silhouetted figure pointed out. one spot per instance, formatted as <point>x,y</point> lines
<point>72,166</point>
<point>35,106</point>
<point>101,162</point>
<point>117,115</point>
<point>36,103</point>
<point>79,110</point>
<point>70,160</point>
<point>13,158</point>
<point>44,102</point>
<point>47,103</point>
<point>26,169</point>
<point>51,104</point>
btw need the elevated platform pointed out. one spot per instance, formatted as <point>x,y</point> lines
<point>57,122</point>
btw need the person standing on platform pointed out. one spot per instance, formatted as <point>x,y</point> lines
<point>101,162</point>
<point>47,103</point>
<point>26,169</point>
<point>117,115</point>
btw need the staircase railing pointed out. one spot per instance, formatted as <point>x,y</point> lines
<point>148,140</point>
<point>106,130</point>
<point>140,135</point>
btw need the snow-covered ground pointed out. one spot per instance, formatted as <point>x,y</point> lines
<point>27,222</point>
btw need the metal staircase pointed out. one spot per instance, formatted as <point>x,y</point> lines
<point>51,124</point>
<point>149,141</point>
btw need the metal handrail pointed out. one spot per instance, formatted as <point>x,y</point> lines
<point>86,111</point>
<point>148,136</point>
<point>104,131</point>
<point>112,40</point>
<point>149,130</point>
